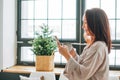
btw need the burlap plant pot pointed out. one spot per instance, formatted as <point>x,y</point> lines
<point>44,63</point>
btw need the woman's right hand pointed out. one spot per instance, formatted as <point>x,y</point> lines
<point>63,50</point>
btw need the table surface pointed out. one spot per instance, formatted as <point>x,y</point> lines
<point>29,69</point>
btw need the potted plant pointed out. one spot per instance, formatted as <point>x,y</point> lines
<point>44,46</point>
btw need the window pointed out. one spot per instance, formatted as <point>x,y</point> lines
<point>64,16</point>
<point>114,18</point>
<point>59,15</point>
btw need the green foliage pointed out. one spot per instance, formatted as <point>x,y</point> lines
<point>44,43</point>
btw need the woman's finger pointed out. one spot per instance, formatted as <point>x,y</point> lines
<point>58,44</point>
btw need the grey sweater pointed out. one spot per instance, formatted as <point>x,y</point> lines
<point>92,64</point>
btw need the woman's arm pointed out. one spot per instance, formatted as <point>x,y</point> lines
<point>88,65</point>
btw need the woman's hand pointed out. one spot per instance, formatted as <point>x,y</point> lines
<point>63,50</point>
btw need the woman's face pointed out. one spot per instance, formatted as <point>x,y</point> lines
<point>86,35</point>
<point>85,26</point>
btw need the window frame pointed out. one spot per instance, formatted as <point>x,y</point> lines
<point>80,4</point>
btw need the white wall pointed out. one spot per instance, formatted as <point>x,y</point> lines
<point>1,32</point>
<point>8,35</point>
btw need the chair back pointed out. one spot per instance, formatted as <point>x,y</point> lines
<point>42,76</point>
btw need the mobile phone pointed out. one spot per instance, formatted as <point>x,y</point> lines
<point>68,44</point>
<point>56,39</point>
<point>58,42</point>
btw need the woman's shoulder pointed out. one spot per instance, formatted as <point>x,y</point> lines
<point>97,44</point>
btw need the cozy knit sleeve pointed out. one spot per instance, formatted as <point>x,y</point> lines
<point>84,69</point>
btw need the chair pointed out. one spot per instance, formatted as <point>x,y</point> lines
<point>9,76</point>
<point>46,75</point>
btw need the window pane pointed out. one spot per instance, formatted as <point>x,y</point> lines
<point>40,9</point>
<point>27,54</point>
<point>112,29</point>
<point>117,57</point>
<point>109,7</point>
<point>27,10</point>
<point>63,59</point>
<point>54,9</point>
<point>57,57</point>
<point>92,3</point>
<point>39,23</point>
<point>27,29</point>
<point>69,9</point>
<point>118,30</point>
<point>69,29</point>
<point>56,26</point>
<point>118,8</point>
<point>112,57</point>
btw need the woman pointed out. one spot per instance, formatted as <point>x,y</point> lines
<point>93,63</point>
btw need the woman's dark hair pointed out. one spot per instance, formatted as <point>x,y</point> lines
<point>98,24</point>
